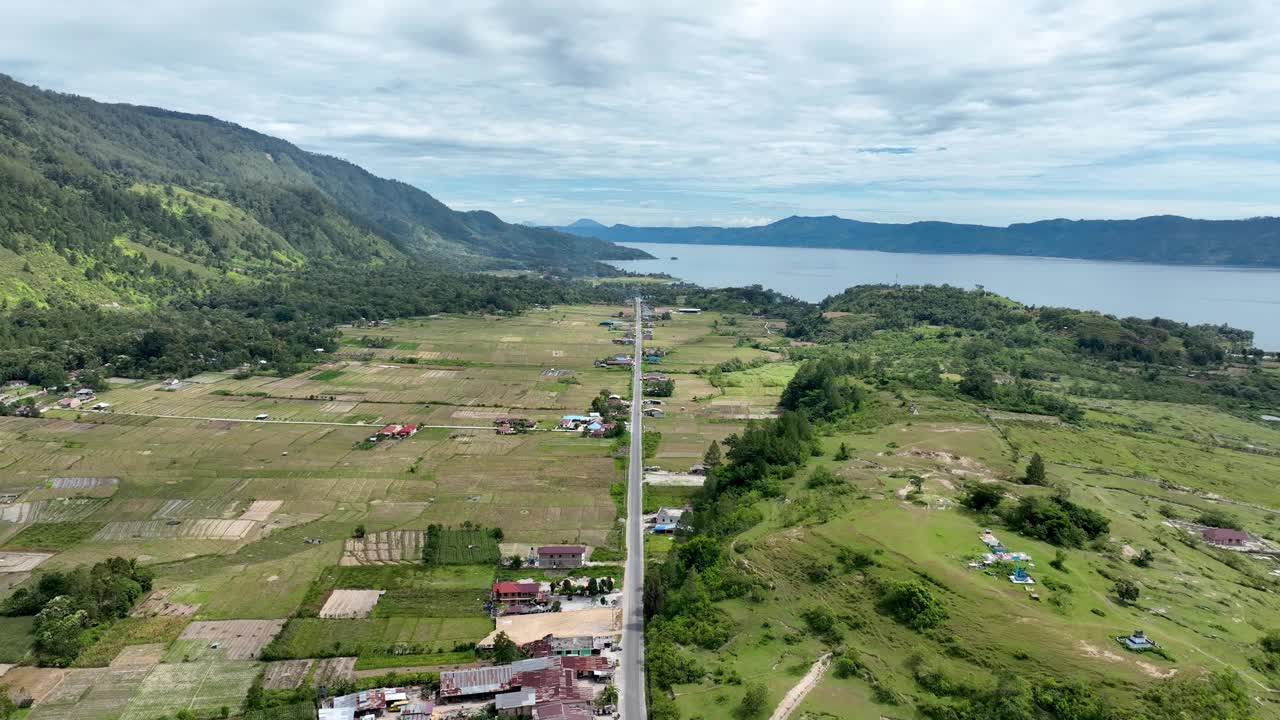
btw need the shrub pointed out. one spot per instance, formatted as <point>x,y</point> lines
<point>910,603</point>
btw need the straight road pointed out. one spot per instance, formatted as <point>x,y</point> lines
<point>632,699</point>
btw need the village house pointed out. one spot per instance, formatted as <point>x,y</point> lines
<point>670,516</point>
<point>1225,536</point>
<point>69,403</point>
<point>654,412</point>
<point>517,592</point>
<point>561,556</point>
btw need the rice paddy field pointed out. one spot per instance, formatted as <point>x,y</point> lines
<point>249,526</point>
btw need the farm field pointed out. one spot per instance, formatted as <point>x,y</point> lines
<point>250,527</point>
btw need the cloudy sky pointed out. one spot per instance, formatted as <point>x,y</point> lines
<point>726,113</point>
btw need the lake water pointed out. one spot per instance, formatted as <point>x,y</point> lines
<point>1243,298</point>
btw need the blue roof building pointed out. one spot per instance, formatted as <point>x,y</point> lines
<point>1137,642</point>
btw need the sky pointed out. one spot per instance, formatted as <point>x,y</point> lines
<point>719,113</point>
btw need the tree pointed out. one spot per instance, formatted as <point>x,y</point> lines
<point>754,701</point>
<point>711,459</point>
<point>555,606</point>
<point>496,534</point>
<point>516,562</point>
<point>185,715</point>
<point>982,498</point>
<point>57,630</point>
<point>979,384</point>
<point>1035,471</point>
<point>1127,590</point>
<point>911,603</point>
<point>842,454</point>
<point>505,650</point>
<point>593,588</point>
<point>359,531</point>
<point>1145,558</point>
<point>608,697</point>
<point>1059,561</point>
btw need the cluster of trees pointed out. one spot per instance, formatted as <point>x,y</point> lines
<point>235,324</point>
<point>66,604</point>
<point>660,388</point>
<point>822,390</point>
<point>1057,521</point>
<point>1054,519</point>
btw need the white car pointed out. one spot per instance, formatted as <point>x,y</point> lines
<point>261,416</point>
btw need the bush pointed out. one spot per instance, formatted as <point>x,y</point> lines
<point>982,498</point>
<point>754,701</point>
<point>1127,591</point>
<point>910,603</point>
<point>1219,519</point>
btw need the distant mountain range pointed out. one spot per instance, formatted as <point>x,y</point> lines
<point>121,203</point>
<point>1159,239</point>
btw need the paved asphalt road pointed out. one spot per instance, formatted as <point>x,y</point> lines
<point>632,702</point>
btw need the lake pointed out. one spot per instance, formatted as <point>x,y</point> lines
<point>1240,297</point>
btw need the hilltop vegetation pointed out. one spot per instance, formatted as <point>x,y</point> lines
<point>924,416</point>
<point>129,204</point>
<point>1159,239</point>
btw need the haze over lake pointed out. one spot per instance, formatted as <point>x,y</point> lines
<point>1243,298</point>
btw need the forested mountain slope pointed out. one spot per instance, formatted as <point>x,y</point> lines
<point>108,202</point>
<point>1159,239</point>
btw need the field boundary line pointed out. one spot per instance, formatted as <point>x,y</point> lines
<point>330,423</point>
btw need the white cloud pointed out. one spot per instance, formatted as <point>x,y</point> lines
<point>976,110</point>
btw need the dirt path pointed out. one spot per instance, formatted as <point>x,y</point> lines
<point>796,695</point>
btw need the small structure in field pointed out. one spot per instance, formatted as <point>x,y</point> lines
<point>1225,536</point>
<point>1137,642</point>
<point>1020,576</point>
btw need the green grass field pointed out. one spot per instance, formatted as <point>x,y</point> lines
<point>129,631</point>
<point>315,637</point>
<point>53,536</point>
<point>15,638</point>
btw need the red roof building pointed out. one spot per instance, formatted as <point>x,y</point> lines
<point>1225,536</point>
<point>408,431</point>
<point>516,592</point>
<point>389,430</point>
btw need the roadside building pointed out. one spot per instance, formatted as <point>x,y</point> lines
<point>1225,536</point>
<point>669,516</point>
<point>561,556</point>
<point>517,592</point>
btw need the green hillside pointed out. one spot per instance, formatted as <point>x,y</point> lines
<point>119,203</point>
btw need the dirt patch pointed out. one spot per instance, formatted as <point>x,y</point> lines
<point>674,479</point>
<point>527,628</point>
<point>189,529</point>
<point>34,682</point>
<point>1128,552</point>
<point>15,562</point>
<point>286,674</point>
<point>136,657</point>
<point>1093,651</point>
<point>1156,672</point>
<point>481,414</point>
<point>511,339</point>
<point>382,548</point>
<point>334,670</point>
<point>157,605</point>
<point>438,374</point>
<point>238,639</point>
<point>350,603</point>
<point>260,510</point>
